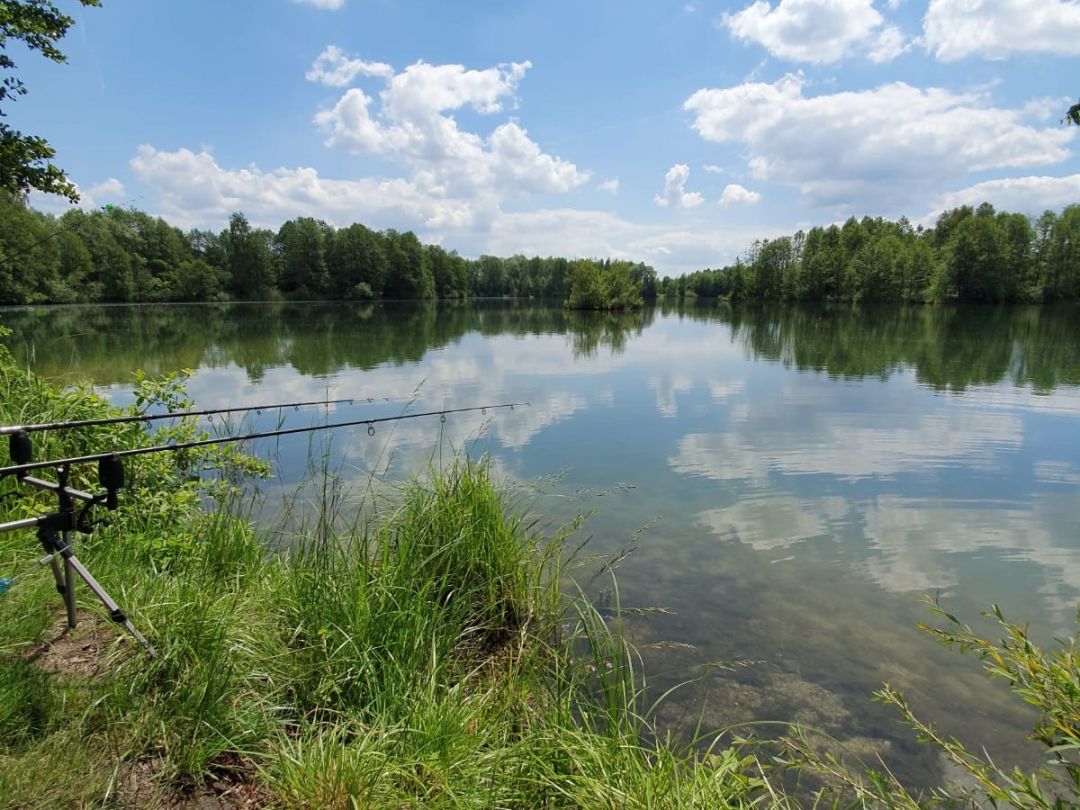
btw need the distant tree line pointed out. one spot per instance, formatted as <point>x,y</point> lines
<point>971,254</point>
<point>117,254</point>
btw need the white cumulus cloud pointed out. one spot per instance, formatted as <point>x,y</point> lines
<point>415,125</point>
<point>995,29</point>
<point>111,188</point>
<point>881,149</point>
<point>1029,195</point>
<point>817,31</point>
<point>453,185</point>
<point>335,68</point>
<point>888,45</point>
<point>675,194</point>
<point>734,194</point>
<point>610,186</point>
<point>90,197</point>
<point>350,125</point>
<point>195,189</point>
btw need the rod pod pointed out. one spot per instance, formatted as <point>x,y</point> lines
<point>55,532</point>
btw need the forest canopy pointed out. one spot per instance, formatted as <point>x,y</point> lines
<point>117,254</point>
<point>970,254</point>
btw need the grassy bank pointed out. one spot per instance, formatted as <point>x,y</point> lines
<point>429,657</point>
<point>423,659</point>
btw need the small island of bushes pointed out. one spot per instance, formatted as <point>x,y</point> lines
<point>614,286</point>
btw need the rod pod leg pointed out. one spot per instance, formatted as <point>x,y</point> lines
<point>60,572</point>
<point>69,584</point>
<point>65,583</point>
<point>115,613</point>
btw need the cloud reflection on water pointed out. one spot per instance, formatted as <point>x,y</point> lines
<point>847,445</point>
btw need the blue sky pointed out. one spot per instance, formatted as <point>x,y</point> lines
<point>669,132</point>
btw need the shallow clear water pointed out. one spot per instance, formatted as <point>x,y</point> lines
<point>805,475</point>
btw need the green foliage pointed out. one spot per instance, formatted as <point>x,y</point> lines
<point>300,245</point>
<point>1072,115</point>
<point>372,617</point>
<point>604,286</point>
<point>247,257</point>
<point>970,255</point>
<point>26,702</point>
<point>25,159</point>
<point>1047,680</point>
<point>122,255</point>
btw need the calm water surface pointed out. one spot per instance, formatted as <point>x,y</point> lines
<point>804,475</point>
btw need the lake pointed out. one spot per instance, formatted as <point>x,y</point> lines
<point>786,482</point>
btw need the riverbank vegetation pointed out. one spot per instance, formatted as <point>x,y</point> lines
<point>970,255</point>
<point>120,255</point>
<point>427,656</point>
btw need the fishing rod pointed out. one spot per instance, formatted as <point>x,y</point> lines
<point>119,420</point>
<point>21,469</point>
<point>55,530</point>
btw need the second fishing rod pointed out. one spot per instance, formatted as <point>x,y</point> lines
<point>23,466</point>
<point>151,417</point>
<point>20,445</point>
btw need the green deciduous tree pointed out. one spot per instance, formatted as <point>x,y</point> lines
<point>25,160</point>
<point>1062,280</point>
<point>247,252</point>
<point>357,262</point>
<point>301,249</point>
<point>410,276</point>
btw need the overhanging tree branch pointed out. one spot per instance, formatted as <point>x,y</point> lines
<point>25,160</point>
